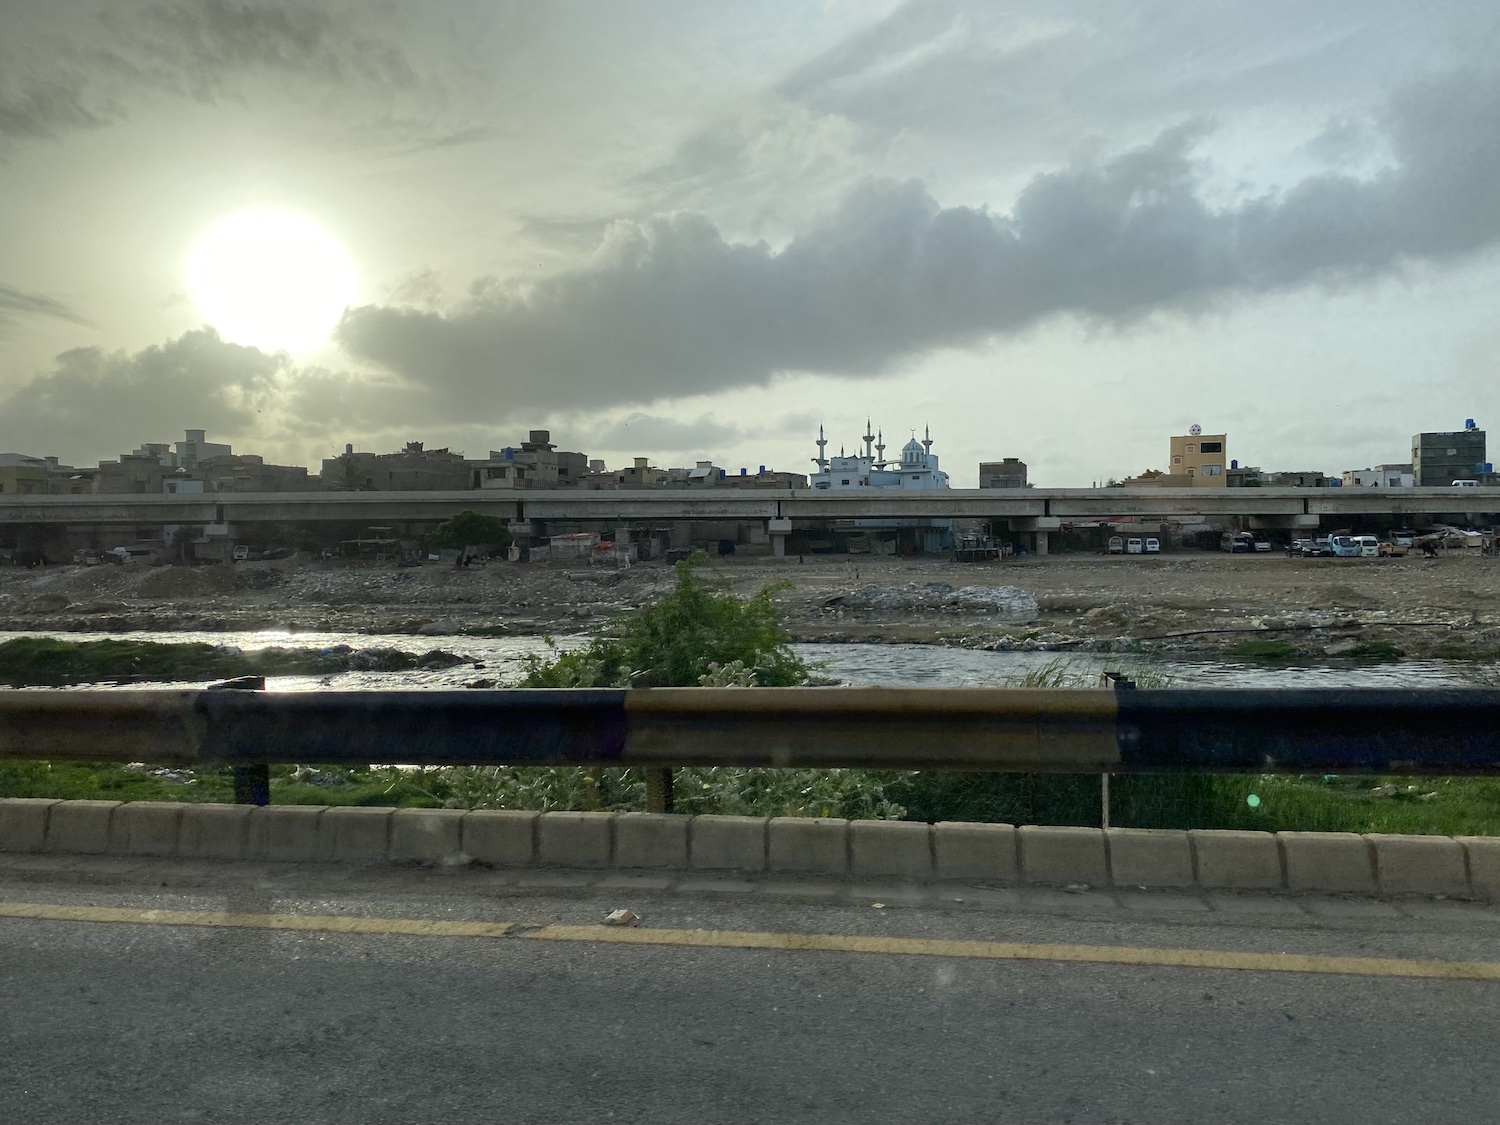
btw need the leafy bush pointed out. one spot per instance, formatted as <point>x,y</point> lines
<point>699,634</point>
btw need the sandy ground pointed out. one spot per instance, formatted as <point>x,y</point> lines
<point>1179,603</point>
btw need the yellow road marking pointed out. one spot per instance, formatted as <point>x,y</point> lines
<point>307,923</point>
<point>1030,951</point>
<point>749,939</point>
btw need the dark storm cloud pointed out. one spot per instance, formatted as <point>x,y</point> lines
<point>670,307</point>
<point>75,73</point>
<point>200,42</point>
<point>34,108</point>
<point>651,434</point>
<point>92,402</point>
<point>15,303</point>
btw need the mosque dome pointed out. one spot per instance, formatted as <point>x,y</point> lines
<point>911,452</point>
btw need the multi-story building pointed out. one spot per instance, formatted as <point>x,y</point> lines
<point>1381,476</point>
<point>765,478</point>
<point>248,472</point>
<point>21,474</point>
<point>536,464</point>
<point>1437,460</point>
<point>1010,473</point>
<point>1199,457</point>
<point>142,471</point>
<point>641,473</point>
<point>1306,478</point>
<point>194,449</point>
<point>414,469</point>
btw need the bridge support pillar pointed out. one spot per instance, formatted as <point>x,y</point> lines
<point>778,530</point>
<point>1041,542</point>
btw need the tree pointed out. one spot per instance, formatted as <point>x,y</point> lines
<point>470,529</point>
<point>349,471</point>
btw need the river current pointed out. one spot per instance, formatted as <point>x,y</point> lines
<point>503,661</point>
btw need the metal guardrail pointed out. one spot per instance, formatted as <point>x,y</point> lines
<point>1338,730</point>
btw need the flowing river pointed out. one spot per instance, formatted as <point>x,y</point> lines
<point>501,660</point>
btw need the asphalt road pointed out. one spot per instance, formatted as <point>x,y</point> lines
<point>135,1021</point>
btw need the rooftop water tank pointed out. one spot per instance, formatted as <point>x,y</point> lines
<point>1469,424</point>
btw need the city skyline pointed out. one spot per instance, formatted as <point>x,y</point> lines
<point>694,233</point>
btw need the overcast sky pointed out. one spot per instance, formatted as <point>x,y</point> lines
<point>1057,230</point>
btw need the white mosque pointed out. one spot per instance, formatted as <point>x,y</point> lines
<point>917,469</point>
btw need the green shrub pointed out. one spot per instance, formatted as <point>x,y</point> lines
<point>698,634</point>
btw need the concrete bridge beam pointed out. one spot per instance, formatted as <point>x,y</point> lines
<point>1307,522</point>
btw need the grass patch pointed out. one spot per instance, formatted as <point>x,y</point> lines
<point>1267,649</point>
<point>1450,806</point>
<point>1420,806</point>
<point>49,662</point>
<point>1375,651</point>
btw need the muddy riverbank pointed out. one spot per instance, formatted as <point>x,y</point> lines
<point>1190,605</point>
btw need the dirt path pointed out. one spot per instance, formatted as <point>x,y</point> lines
<point>1183,603</point>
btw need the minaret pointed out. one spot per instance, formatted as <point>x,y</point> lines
<point>880,449</point>
<point>927,440</point>
<point>869,440</point>
<point>821,460</point>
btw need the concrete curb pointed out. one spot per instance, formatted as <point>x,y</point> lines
<point>1466,867</point>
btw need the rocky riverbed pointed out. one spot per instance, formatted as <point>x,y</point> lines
<point>1187,605</point>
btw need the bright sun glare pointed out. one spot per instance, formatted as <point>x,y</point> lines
<point>271,279</point>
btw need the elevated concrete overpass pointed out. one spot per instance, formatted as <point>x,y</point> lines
<point>1066,504</point>
<point>1038,510</point>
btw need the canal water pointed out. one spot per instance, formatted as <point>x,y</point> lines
<point>502,660</point>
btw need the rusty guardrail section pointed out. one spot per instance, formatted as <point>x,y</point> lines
<point>1426,731</point>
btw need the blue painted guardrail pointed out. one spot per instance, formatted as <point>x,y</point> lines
<point>1333,730</point>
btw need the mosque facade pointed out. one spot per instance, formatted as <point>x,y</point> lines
<point>917,469</point>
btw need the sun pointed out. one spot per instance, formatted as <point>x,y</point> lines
<point>275,280</point>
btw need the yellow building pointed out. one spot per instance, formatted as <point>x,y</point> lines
<point>1200,457</point>
<point>22,474</point>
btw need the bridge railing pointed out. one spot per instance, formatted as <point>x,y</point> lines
<point>1297,731</point>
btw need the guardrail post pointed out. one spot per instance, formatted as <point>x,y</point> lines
<point>659,789</point>
<point>252,783</point>
<point>1116,681</point>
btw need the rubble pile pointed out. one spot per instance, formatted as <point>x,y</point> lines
<point>1008,602</point>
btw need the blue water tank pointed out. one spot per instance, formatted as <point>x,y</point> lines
<point>1469,424</point>
<point>743,472</point>
<point>762,468</point>
<point>1234,464</point>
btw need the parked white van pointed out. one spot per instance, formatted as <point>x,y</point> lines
<point>1466,484</point>
<point>1133,546</point>
<point>1369,546</point>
